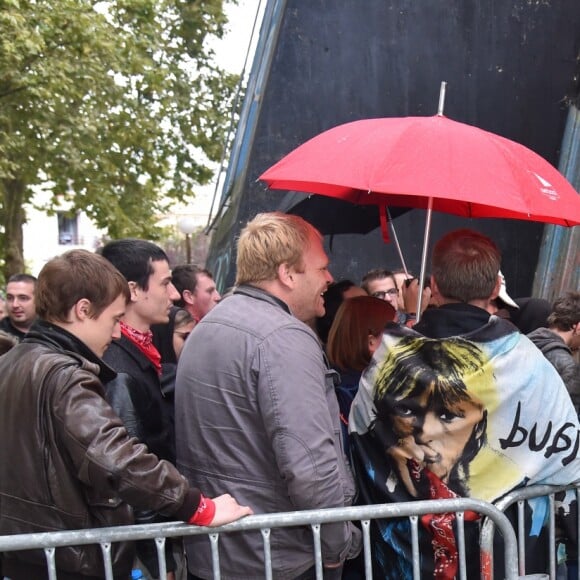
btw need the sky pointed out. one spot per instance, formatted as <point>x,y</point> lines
<point>230,54</point>
<point>231,50</point>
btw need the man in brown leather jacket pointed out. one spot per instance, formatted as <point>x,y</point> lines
<point>67,460</point>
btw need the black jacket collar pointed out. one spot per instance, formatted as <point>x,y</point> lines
<point>58,338</point>
<point>451,320</point>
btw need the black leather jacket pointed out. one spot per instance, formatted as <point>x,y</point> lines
<point>67,460</point>
<point>135,394</point>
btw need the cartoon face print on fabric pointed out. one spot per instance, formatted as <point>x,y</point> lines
<point>427,417</point>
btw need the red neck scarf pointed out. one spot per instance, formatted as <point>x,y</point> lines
<point>144,342</point>
<point>441,526</point>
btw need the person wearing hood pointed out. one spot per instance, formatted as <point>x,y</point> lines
<point>460,405</point>
<point>560,339</point>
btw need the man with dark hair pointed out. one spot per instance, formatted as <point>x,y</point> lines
<point>381,283</point>
<point>136,391</point>
<point>68,461</point>
<point>560,339</point>
<point>460,405</point>
<point>20,307</point>
<point>197,290</point>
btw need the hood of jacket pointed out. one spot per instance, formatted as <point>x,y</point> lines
<point>548,341</point>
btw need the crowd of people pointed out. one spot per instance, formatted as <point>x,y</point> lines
<point>133,392</point>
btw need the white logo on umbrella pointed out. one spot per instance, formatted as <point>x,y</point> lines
<point>547,188</point>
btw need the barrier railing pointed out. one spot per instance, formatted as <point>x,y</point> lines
<point>520,497</point>
<point>50,541</point>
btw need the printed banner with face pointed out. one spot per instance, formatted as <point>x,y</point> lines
<point>473,416</point>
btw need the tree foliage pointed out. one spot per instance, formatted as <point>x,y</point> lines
<point>114,106</point>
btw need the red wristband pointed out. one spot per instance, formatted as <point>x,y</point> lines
<point>204,513</point>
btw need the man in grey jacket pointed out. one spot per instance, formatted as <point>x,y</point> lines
<point>255,412</point>
<point>561,338</point>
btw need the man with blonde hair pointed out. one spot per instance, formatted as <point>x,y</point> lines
<point>255,413</point>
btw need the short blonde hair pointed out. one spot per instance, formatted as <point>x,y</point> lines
<point>269,240</point>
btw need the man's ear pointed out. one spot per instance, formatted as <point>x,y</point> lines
<point>188,297</point>
<point>496,289</point>
<point>435,294</point>
<point>81,310</point>
<point>134,290</point>
<point>286,275</point>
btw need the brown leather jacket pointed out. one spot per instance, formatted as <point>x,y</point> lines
<point>67,460</point>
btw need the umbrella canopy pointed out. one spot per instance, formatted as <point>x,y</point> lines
<point>332,216</point>
<point>429,162</point>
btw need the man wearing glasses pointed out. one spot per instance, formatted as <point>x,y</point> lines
<point>381,283</point>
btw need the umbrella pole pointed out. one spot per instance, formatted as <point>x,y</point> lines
<point>441,98</point>
<point>440,108</point>
<point>424,257</point>
<point>397,243</point>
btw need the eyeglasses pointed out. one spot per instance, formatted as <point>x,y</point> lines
<point>382,294</point>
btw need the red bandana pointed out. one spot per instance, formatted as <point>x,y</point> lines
<point>144,342</point>
<point>441,527</point>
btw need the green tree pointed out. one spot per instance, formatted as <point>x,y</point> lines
<point>116,106</point>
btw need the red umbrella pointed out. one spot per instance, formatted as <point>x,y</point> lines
<point>432,163</point>
<point>415,161</point>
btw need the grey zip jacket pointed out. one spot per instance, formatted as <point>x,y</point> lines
<point>256,417</point>
<point>559,354</point>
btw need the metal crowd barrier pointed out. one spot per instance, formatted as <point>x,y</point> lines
<point>520,497</point>
<point>49,542</point>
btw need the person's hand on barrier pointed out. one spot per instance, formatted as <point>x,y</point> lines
<point>227,510</point>
<point>218,511</point>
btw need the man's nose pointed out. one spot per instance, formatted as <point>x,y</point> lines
<point>116,330</point>
<point>429,429</point>
<point>173,293</point>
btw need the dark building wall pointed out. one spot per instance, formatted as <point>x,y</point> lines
<point>509,67</point>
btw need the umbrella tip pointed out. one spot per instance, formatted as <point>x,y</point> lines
<point>441,98</point>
